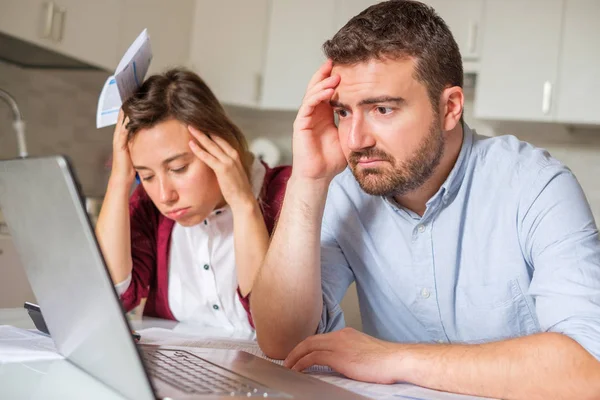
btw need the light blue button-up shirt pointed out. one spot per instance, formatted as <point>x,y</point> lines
<point>507,247</point>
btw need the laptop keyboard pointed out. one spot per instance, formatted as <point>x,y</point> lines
<point>194,375</point>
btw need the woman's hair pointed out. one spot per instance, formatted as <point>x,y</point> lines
<point>182,95</point>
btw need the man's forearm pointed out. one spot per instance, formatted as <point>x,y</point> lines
<point>251,241</point>
<point>542,366</point>
<point>286,299</point>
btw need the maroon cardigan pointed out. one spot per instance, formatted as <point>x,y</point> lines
<point>151,239</point>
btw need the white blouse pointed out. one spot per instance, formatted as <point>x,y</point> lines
<point>202,269</point>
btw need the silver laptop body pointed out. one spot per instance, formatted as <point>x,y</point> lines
<point>41,203</point>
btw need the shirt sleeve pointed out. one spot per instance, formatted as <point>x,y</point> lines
<point>560,240</point>
<point>122,287</point>
<point>336,277</point>
<point>143,249</point>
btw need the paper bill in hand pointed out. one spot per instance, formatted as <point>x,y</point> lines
<point>129,75</point>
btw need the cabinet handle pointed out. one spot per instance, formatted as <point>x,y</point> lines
<point>472,38</point>
<point>62,14</point>
<point>48,21</point>
<point>547,97</point>
<point>259,87</point>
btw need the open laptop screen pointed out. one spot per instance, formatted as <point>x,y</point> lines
<point>43,208</point>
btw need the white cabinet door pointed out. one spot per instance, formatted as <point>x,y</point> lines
<point>262,53</point>
<point>297,31</point>
<point>228,46</point>
<point>578,91</point>
<point>169,26</point>
<point>30,20</point>
<point>90,30</point>
<point>464,19</point>
<point>84,29</point>
<point>519,61</point>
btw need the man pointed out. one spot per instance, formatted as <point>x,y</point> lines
<point>476,260</point>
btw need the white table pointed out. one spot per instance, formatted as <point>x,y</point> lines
<point>59,379</point>
<point>56,379</point>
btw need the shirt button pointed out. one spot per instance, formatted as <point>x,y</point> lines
<point>441,341</point>
<point>425,293</point>
<point>421,228</point>
<point>206,267</point>
<point>205,222</point>
<point>215,307</point>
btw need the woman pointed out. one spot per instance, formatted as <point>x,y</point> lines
<point>194,233</point>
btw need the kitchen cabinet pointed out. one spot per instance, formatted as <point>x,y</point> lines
<point>30,20</point>
<point>546,74</point>
<point>519,70</point>
<point>99,32</point>
<point>169,26</point>
<point>227,48</point>
<point>464,18</point>
<point>578,86</point>
<point>297,31</point>
<point>262,53</point>
<point>85,30</point>
<point>279,44</point>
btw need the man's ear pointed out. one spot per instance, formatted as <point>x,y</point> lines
<point>452,102</point>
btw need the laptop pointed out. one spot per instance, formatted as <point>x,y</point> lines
<point>42,204</point>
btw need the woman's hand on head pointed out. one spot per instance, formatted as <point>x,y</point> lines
<point>122,167</point>
<point>227,165</point>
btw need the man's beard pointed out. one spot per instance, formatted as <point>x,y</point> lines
<point>398,180</point>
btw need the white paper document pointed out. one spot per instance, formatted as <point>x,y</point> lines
<point>19,345</point>
<point>129,75</point>
<point>397,391</point>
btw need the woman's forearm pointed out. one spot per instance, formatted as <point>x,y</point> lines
<point>113,229</point>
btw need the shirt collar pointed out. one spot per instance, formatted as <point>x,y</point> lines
<point>455,178</point>
<point>452,182</point>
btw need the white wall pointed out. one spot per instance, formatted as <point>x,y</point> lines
<point>59,109</point>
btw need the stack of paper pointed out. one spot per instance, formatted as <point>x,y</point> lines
<point>18,345</point>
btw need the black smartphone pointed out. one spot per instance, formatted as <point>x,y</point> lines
<point>36,316</point>
<point>136,336</point>
<point>38,320</point>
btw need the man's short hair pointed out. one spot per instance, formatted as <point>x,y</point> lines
<point>397,29</point>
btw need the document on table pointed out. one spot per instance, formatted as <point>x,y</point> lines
<point>17,345</point>
<point>397,391</point>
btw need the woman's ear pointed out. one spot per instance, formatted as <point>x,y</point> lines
<point>451,107</point>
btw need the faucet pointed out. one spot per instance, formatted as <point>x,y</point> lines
<point>18,122</point>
